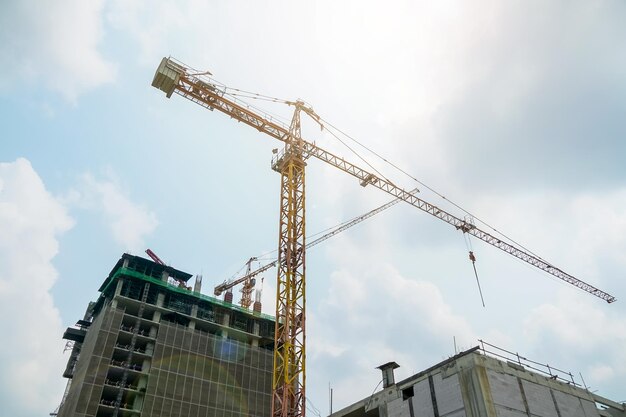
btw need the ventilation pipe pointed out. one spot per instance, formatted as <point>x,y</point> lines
<point>387,370</point>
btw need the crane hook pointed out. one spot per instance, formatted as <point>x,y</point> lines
<point>473,259</point>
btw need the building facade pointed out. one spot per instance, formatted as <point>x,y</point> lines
<point>151,346</point>
<point>475,384</point>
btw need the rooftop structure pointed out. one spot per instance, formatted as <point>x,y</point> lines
<point>153,346</point>
<point>475,384</point>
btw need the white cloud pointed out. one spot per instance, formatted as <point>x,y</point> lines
<point>372,314</point>
<point>128,222</point>
<point>380,297</point>
<point>541,91</point>
<point>601,373</point>
<point>151,24</point>
<point>31,221</point>
<point>584,333</point>
<point>54,44</point>
<point>586,232</point>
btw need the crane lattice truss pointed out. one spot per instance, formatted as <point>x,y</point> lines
<point>289,372</point>
<point>288,396</point>
<point>248,285</point>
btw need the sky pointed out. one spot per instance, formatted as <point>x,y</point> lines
<point>514,110</point>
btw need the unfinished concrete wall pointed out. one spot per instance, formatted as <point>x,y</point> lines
<point>433,396</point>
<point>506,395</point>
<point>514,396</point>
<point>480,389</point>
<point>398,408</point>
<point>539,399</point>
<point>422,399</point>
<point>448,395</point>
<point>570,405</point>
<point>471,384</point>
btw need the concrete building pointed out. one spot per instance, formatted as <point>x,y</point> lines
<point>475,384</point>
<point>152,346</point>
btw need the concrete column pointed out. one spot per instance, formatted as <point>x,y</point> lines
<point>225,322</point>
<point>138,402</point>
<point>142,383</point>
<point>153,329</point>
<point>194,313</point>
<point>256,330</point>
<point>118,291</point>
<point>118,286</point>
<point>160,299</point>
<point>145,366</point>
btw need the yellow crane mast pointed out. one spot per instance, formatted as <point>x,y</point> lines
<point>288,396</point>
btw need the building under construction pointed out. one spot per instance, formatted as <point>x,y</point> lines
<point>485,381</point>
<point>153,346</point>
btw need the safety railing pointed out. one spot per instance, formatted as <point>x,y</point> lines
<point>514,357</point>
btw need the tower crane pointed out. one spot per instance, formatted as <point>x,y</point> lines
<point>226,285</point>
<point>289,376</point>
<point>248,285</point>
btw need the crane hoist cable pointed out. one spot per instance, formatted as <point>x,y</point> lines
<point>472,258</point>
